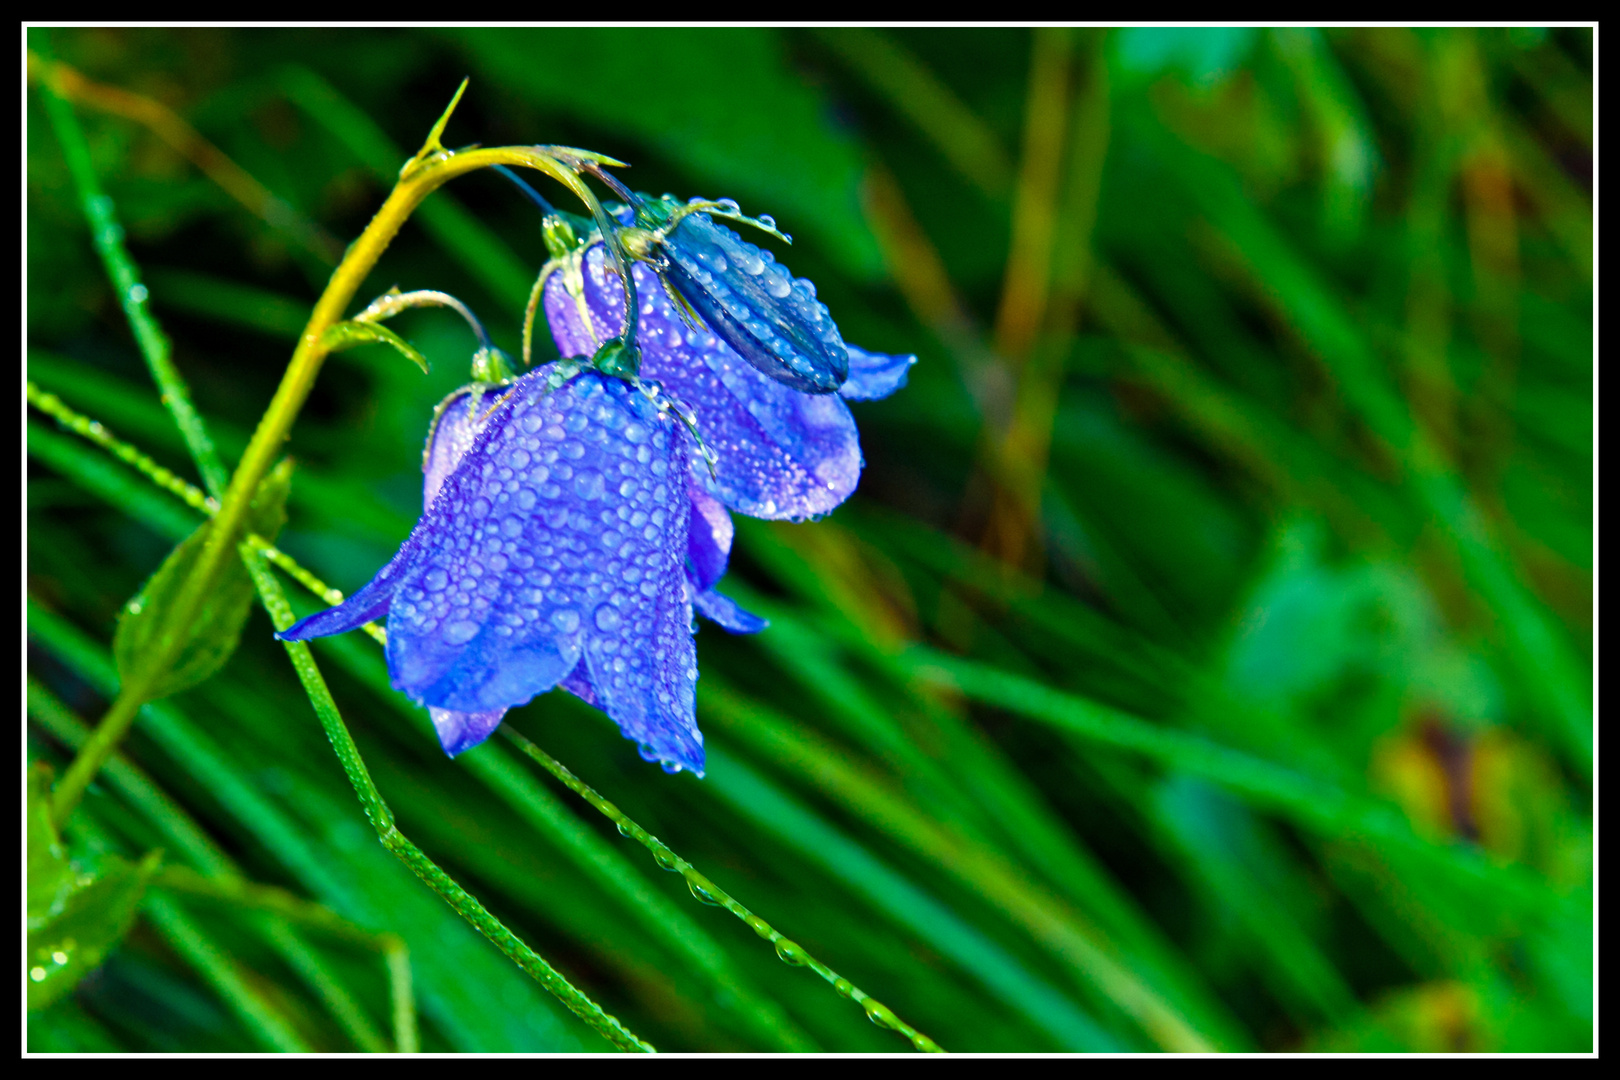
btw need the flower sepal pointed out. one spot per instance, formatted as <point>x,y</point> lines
<point>619,358</point>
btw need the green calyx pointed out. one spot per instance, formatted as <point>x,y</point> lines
<point>663,215</point>
<point>565,232</point>
<point>618,358</point>
<point>491,365</point>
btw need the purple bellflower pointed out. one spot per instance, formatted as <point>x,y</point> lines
<point>573,524</point>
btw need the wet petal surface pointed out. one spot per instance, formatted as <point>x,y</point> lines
<point>874,375</point>
<point>768,317</point>
<point>781,453</point>
<point>553,552</point>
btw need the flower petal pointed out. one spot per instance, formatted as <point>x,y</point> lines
<point>725,612</point>
<point>456,423</point>
<point>874,375</point>
<point>770,318</point>
<point>578,683</point>
<point>460,731</point>
<point>368,604</point>
<point>541,522</point>
<point>643,668</point>
<point>781,453</point>
<point>708,541</point>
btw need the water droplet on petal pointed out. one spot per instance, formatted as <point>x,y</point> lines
<point>588,484</point>
<point>460,631</point>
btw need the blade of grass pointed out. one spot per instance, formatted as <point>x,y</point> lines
<point>108,236</point>
<point>1095,963</point>
<point>499,772</point>
<point>1547,669</point>
<point>188,839</point>
<point>1317,804</point>
<point>912,89</point>
<point>169,126</point>
<point>706,891</point>
<point>381,819</point>
<point>221,972</point>
<point>903,903</point>
<point>363,882</point>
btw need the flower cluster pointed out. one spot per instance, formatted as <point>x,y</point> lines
<point>576,518</point>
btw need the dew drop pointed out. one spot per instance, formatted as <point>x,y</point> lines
<point>879,1015</point>
<point>608,618</point>
<point>624,830</point>
<point>588,484</point>
<point>703,896</point>
<point>843,987</point>
<point>460,631</point>
<point>665,859</point>
<point>790,953</point>
<point>566,620</point>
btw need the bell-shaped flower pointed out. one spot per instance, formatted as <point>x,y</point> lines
<point>777,452</point>
<point>555,550</point>
<point>572,524</point>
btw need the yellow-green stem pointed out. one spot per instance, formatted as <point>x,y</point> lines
<point>431,168</point>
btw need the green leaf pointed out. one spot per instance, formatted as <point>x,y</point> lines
<point>213,635</point>
<point>93,919</point>
<point>346,335</point>
<point>50,878</point>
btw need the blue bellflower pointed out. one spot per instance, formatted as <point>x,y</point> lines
<point>572,524</point>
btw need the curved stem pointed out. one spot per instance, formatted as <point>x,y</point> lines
<point>422,176</point>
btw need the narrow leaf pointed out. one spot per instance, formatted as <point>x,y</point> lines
<point>346,335</point>
<point>204,646</point>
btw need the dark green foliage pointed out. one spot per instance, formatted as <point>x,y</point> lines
<point>1206,656</point>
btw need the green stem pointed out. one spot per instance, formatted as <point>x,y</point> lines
<point>52,406</point>
<point>101,745</point>
<point>707,892</point>
<point>382,820</point>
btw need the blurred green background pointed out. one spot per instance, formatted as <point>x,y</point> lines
<point>1205,658</point>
